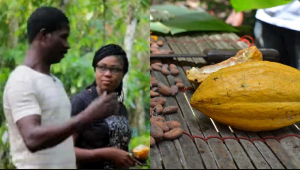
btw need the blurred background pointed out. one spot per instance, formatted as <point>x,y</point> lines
<point>220,9</point>
<point>93,24</point>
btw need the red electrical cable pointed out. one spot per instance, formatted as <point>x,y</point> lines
<point>244,39</point>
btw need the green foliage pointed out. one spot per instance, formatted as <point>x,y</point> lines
<point>90,29</point>
<point>244,5</point>
<point>185,20</point>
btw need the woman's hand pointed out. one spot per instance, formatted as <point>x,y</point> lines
<point>122,159</point>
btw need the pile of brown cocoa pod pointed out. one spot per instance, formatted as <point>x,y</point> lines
<point>161,129</point>
<point>155,47</point>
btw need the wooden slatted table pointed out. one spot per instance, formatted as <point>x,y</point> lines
<point>188,153</point>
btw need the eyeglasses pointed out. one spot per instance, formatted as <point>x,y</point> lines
<point>113,70</point>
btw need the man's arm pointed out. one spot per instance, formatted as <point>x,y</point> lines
<point>37,137</point>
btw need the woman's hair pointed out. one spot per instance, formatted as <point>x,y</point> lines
<point>108,50</point>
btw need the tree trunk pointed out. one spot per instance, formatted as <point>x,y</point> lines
<point>140,113</point>
<point>128,41</point>
<point>13,27</point>
<point>138,116</point>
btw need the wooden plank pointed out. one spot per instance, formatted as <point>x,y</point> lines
<point>266,152</point>
<point>182,43</point>
<point>209,41</point>
<point>179,43</point>
<point>232,42</point>
<point>192,123</point>
<point>284,156</point>
<point>294,130</point>
<point>235,38</point>
<point>155,158</point>
<point>217,43</point>
<point>192,48</point>
<point>256,158</point>
<point>220,152</point>
<point>236,150</point>
<point>166,149</point>
<point>201,43</point>
<point>220,40</point>
<point>291,144</point>
<point>172,45</point>
<point>191,154</point>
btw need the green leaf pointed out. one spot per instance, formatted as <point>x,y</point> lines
<point>159,27</point>
<point>185,20</point>
<point>245,5</point>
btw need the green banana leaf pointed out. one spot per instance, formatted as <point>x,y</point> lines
<point>159,27</point>
<point>185,20</point>
<point>244,5</point>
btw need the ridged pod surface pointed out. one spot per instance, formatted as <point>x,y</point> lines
<point>253,96</point>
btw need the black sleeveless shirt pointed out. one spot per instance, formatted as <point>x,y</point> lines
<point>113,131</point>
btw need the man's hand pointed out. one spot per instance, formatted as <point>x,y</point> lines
<point>102,107</point>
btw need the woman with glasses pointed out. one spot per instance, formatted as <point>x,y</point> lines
<point>104,143</point>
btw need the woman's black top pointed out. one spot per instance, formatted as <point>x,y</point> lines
<point>113,131</point>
